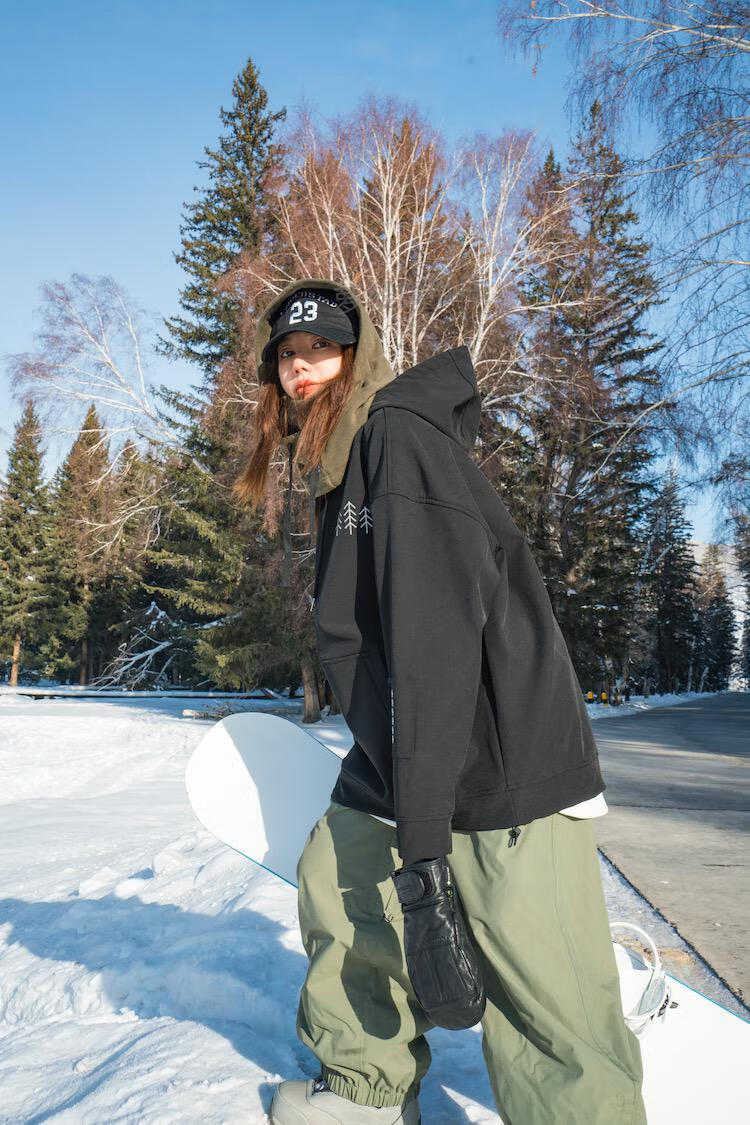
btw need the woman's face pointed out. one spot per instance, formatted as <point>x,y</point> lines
<point>306,362</point>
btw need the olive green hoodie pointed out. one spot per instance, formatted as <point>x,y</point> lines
<point>371,372</point>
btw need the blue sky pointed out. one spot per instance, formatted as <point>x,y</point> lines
<point>105,109</point>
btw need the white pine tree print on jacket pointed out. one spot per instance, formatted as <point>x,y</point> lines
<point>350,518</point>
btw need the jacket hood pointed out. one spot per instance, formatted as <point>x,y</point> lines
<point>372,371</point>
<point>443,390</point>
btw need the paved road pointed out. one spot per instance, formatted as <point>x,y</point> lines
<point>678,790</point>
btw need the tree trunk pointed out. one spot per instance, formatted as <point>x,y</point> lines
<point>84,662</point>
<point>15,660</point>
<point>333,707</point>
<point>311,709</point>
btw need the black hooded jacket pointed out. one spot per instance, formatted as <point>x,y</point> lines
<point>435,629</point>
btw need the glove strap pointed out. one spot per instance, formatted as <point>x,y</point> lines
<point>419,881</point>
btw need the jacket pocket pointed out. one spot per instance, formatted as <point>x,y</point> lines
<point>359,682</point>
<point>482,774</point>
<point>370,902</point>
<point>484,769</point>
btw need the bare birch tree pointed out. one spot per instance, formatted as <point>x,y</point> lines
<point>436,242</point>
<point>369,203</point>
<point>504,241</point>
<point>91,349</point>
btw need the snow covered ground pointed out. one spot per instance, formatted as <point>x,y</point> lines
<point>148,973</point>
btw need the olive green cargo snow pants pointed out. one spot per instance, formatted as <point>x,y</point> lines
<point>557,1049</point>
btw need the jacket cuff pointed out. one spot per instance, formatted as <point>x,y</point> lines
<point>423,839</point>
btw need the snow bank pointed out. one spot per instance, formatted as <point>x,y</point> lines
<point>638,703</point>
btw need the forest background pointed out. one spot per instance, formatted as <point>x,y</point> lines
<point>597,277</point>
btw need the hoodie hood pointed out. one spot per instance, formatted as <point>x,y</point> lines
<point>372,371</point>
<point>442,390</point>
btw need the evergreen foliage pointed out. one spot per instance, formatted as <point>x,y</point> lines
<point>230,216</point>
<point>213,576</point>
<point>716,642</point>
<point>23,513</point>
<point>123,539</point>
<point>672,591</point>
<point>195,566</point>
<point>585,487</point>
<point>75,564</point>
<point>203,573</point>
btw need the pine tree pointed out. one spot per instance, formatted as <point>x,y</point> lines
<point>591,359</point>
<point>75,564</point>
<point>615,288</point>
<point>716,650</point>
<point>257,640</point>
<point>524,471</point>
<point>230,216</point>
<point>208,597</point>
<point>23,507</point>
<point>194,569</point>
<point>672,592</point>
<point>118,594</point>
<point>219,611</point>
<point>138,647</point>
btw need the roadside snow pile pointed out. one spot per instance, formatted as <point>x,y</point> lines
<point>641,703</point>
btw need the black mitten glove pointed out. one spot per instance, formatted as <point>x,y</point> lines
<point>442,962</point>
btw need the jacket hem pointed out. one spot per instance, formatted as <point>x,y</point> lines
<point>504,808</point>
<point>508,808</point>
<point>352,793</point>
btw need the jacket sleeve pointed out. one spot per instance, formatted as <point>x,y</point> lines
<point>434,570</point>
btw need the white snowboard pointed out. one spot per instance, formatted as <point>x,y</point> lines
<point>259,783</point>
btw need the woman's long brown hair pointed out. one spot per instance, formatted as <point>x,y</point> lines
<point>273,419</point>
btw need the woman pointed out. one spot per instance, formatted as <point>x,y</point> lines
<point>474,765</point>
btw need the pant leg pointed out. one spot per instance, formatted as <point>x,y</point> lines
<point>557,1048</point>
<point>357,1012</point>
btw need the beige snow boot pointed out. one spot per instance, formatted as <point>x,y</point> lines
<point>312,1103</point>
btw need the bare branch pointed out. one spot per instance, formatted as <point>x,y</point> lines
<point>89,349</point>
